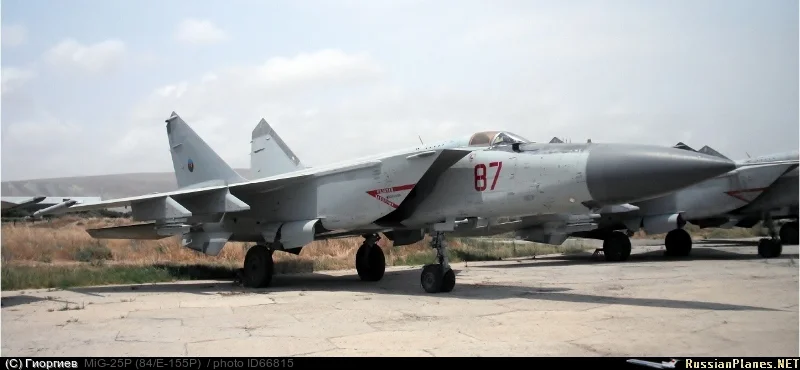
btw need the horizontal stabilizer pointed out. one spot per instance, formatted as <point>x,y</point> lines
<point>149,231</point>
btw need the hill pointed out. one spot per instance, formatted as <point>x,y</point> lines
<point>105,186</point>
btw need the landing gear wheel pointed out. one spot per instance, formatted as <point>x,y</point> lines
<point>769,248</point>
<point>617,247</point>
<point>432,278</point>
<point>789,233</point>
<point>438,277</point>
<point>258,267</point>
<point>370,262</point>
<point>448,281</point>
<point>435,280</point>
<point>678,243</point>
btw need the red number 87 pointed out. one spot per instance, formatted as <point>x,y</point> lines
<point>480,175</point>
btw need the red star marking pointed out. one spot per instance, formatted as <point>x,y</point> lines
<point>377,193</point>
<point>738,194</point>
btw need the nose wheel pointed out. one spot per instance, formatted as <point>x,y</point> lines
<point>438,277</point>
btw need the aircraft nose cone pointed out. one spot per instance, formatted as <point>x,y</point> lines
<point>629,173</point>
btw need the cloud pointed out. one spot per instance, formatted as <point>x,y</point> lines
<point>199,32</point>
<point>13,78</point>
<point>14,35</point>
<point>644,73</point>
<point>98,58</point>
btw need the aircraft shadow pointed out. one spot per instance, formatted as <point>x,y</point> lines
<point>406,282</point>
<point>19,300</point>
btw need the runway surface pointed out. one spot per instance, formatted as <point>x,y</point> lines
<point>723,300</point>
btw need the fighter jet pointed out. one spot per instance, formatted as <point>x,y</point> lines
<point>763,188</point>
<point>403,194</point>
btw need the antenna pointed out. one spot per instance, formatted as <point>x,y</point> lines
<point>420,140</point>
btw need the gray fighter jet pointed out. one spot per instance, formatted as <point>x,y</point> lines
<point>404,194</point>
<point>763,188</point>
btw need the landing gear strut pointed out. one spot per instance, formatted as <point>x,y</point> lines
<point>770,248</point>
<point>438,277</point>
<point>370,261</point>
<point>258,267</point>
<point>678,243</point>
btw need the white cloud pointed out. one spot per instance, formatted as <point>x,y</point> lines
<point>13,78</point>
<point>642,73</point>
<point>14,35</point>
<point>98,58</point>
<point>199,32</point>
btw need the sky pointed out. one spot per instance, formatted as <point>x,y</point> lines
<point>87,85</point>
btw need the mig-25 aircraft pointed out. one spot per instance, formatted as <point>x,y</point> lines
<point>759,189</point>
<point>762,188</point>
<point>404,194</point>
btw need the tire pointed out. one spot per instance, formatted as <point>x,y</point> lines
<point>448,281</point>
<point>617,247</point>
<point>431,278</point>
<point>769,248</point>
<point>678,243</point>
<point>370,262</point>
<point>258,267</point>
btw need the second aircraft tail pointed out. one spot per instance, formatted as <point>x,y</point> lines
<point>269,155</point>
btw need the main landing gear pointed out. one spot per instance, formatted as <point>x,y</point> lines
<point>438,277</point>
<point>770,247</point>
<point>370,261</point>
<point>616,246</point>
<point>678,243</point>
<point>258,267</point>
<point>789,233</point>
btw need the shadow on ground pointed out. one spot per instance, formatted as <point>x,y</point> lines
<point>697,254</point>
<point>406,282</point>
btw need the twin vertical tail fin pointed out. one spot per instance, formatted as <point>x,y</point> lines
<point>195,163</point>
<point>269,155</point>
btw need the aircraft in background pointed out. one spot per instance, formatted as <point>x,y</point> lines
<point>763,188</point>
<point>34,207</point>
<point>404,194</point>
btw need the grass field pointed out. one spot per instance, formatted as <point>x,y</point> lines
<point>60,254</point>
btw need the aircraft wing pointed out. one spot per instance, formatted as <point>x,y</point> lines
<point>222,198</point>
<point>9,203</point>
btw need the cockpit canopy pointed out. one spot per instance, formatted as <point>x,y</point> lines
<point>492,138</point>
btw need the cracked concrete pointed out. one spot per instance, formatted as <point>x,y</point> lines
<point>724,300</point>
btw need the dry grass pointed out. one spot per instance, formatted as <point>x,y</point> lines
<point>59,253</point>
<point>712,233</point>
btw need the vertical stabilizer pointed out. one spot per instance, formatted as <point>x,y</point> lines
<point>195,163</point>
<point>269,155</point>
<point>710,151</point>
<point>683,146</point>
